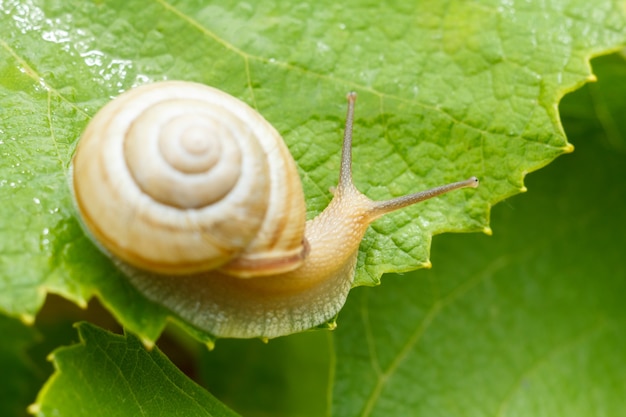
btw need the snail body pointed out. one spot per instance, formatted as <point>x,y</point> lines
<point>196,198</point>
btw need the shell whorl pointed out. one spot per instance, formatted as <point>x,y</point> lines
<point>178,177</point>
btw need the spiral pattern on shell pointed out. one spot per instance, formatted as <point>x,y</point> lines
<point>178,177</point>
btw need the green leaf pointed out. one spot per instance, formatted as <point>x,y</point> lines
<point>286,377</point>
<point>20,378</point>
<point>447,90</point>
<point>109,374</point>
<point>529,322</point>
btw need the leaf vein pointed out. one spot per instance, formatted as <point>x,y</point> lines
<point>544,359</point>
<point>28,70</point>
<point>432,313</point>
<point>320,76</point>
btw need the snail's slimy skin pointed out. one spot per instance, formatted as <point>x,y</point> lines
<point>241,263</point>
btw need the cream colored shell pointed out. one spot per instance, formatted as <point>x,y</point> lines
<point>178,177</point>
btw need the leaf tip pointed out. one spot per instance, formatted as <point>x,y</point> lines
<point>329,325</point>
<point>27,319</point>
<point>147,343</point>
<point>427,264</point>
<point>34,409</point>
<point>569,148</point>
<point>488,231</point>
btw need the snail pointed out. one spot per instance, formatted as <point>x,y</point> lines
<point>195,196</point>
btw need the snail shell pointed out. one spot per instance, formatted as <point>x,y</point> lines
<point>195,196</point>
<point>159,167</point>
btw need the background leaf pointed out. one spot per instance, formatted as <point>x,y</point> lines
<point>109,375</point>
<point>20,377</point>
<point>289,376</point>
<point>446,90</point>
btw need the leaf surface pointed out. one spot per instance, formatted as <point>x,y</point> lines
<point>108,374</point>
<point>447,90</point>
